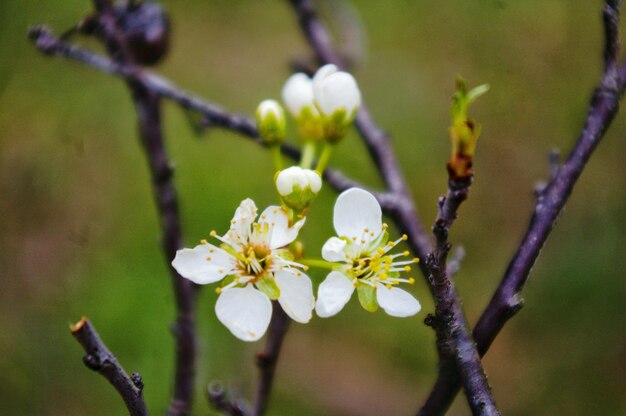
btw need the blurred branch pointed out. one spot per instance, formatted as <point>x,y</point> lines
<point>101,360</point>
<point>507,301</point>
<point>397,201</point>
<point>267,359</point>
<point>147,105</point>
<point>214,116</point>
<point>219,399</point>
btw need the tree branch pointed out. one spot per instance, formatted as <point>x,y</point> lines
<point>267,359</point>
<point>507,301</point>
<point>101,360</point>
<point>218,399</point>
<point>454,342</point>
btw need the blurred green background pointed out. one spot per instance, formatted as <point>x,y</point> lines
<point>79,233</point>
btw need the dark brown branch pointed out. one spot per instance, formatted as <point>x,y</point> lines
<point>454,341</point>
<point>101,360</point>
<point>267,359</point>
<point>147,105</point>
<point>507,301</point>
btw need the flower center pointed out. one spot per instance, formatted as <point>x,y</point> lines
<point>255,260</point>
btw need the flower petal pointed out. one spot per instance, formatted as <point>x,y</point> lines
<point>246,312</point>
<point>357,215</point>
<point>280,233</point>
<point>240,224</point>
<point>397,302</point>
<point>333,250</point>
<point>337,91</point>
<point>203,264</point>
<point>333,294</point>
<point>296,295</point>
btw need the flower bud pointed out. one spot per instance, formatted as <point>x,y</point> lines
<point>298,97</point>
<point>338,98</point>
<point>271,122</point>
<point>298,187</point>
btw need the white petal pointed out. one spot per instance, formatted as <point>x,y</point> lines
<point>280,232</point>
<point>357,210</point>
<point>397,302</point>
<point>240,224</point>
<point>288,178</point>
<point>314,180</point>
<point>296,295</point>
<point>321,75</point>
<point>333,250</point>
<point>246,312</point>
<point>298,93</point>
<point>333,294</point>
<point>203,264</point>
<point>338,91</point>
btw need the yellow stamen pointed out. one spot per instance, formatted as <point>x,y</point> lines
<point>405,237</point>
<point>204,242</point>
<point>218,290</point>
<point>407,268</point>
<point>411,280</point>
<point>405,253</point>
<point>416,260</point>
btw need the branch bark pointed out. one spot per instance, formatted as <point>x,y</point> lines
<point>101,360</point>
<point>507,301</point>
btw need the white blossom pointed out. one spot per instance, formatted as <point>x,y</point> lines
<point>362,251</point>
<point>257,268</point>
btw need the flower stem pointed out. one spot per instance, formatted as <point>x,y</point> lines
<point>324,157</point>
<point>276,156</point>
<point>319,263</point>
<point>308,153</point>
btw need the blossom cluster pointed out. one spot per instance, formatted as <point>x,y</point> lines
<point>259,260</point>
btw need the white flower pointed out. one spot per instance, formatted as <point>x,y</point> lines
<point>363,249</point>
<point>271,121</point>
<point>336,91</point>
<point>258,267</point>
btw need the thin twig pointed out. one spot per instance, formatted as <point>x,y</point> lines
<point>507,301</point>
<point>101,360</point>
<point>267,359</point>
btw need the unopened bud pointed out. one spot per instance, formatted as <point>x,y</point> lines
<point>271,122</point>
<point>338,98</point>
<point>298,187</point>
<point>298,97</point>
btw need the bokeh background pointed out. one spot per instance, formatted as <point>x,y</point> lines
<point>79,234</point>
